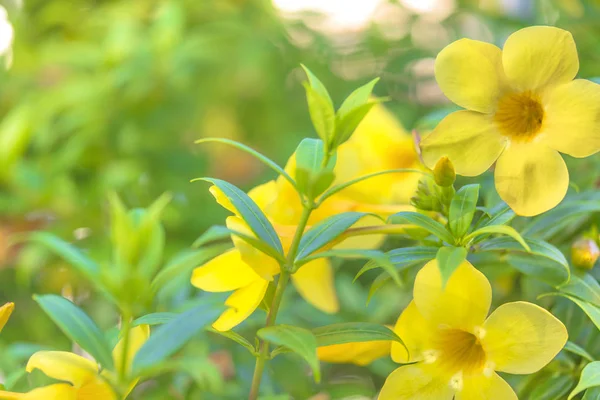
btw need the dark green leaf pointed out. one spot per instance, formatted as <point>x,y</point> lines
<point>78,327</point>
<point>448,259</point>
<point>404,258</point>
<point>354,332</point>
<point>425,222</point>
<point>250,213</point>
<point>300,341</point>
<point>236,337</point>
<point>576,349</point>
<point>555,220</point>
<point>158,318</point>
<point>462,209</point>
<point>325,231</point>
<point>586,288</point>
<point>501,229</point>
<point>590,377</point>
<point>172,336</point>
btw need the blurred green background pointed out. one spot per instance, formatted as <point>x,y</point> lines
<point>109,95</point>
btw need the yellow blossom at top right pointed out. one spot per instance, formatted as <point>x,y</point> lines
<point>523,108</point>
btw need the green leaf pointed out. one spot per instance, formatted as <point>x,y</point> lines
<point>425,222</point>
<point>501,229</point>
<point>300,341</point>
<point>184,263</point>
<point>68,252</point>
<point>313,177</point>
<point>379,282</point>
<point>544,262</point>
<point>580,351</point>
<point>555,220</point>
<point>586,288</point>
<point>462,209</point>
<point>357,98</point>
<point>236,337</point>
<point>590,377</point>
<point>249,212</point>
<point>592,394</point>
<point>77,326</point>
<point>267,161</point>
<point>404,258</point>
<point>346,124</point>
<point>553,387</point>
<point>590,310</point>
<point>320,107</point>
<point>218,233</point>
<point>354,332</point>
<point>172,336</point>
<point>325,232</point>
<point>158,318</point>
<point>448,259</point>
<point>500,215</point>
<point>335,189</point>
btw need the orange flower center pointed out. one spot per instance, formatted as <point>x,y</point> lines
<point>459,351</point>
<point>520,116</point>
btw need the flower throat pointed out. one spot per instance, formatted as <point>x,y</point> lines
<point>520,116</point>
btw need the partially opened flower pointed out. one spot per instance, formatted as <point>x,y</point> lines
<point>522,108</point>
<point>5,312</point>
<point>457,350</point>
<point>85,379</point>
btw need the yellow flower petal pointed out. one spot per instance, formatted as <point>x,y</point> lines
<point>531,178</point>
<point>242,303</point>
<point>362,353</point>
<point>470,74</point>
<point>415,382</point>
<point>539,56</point>
<point>222,199</point>
<point>572,120</point>
<point>469,139</point>
<point>262,264</point>
<point>521,338</point>
<point>314,281</point>
<point>63,366</point>
<point>137,337</point>
<point>224,273</point>
<point>263,195</point>
<point>97,389</point>
<point>481,387</point>
<point>416,332</point>
<point>462,304</point>
<point>5,312</point>
<point>58,391</point>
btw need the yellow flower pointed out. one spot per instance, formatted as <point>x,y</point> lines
<point>522,108</point>
<point>86,382</point>
<point>457,349</point>
<point>247,271</point>
<point>5,312</point>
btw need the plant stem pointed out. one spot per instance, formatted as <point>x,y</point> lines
<point>284,278</point>
<point>126,328</point>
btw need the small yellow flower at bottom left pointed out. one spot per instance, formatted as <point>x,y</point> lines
<point>5,312</point>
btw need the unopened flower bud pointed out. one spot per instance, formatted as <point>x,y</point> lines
<point>584,253</point>
<point>444,173</point>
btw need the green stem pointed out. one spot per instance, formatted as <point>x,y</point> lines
<point>126,327</point>
<point>284,277</point>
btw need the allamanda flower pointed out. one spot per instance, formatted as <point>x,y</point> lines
<point>457,349</point>
<point>85,381</point>
<point>522,108</point>
<point>5,312</point>
<point>247,272</point>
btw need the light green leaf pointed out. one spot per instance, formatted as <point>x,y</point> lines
<point>425,222</point>
<point>499,215</point>
<point>590,377</point>
<point>354,332</point>
<point>249,212</point>
<point>592,394</point>
<point>77,326</point>
<point>346,124</point>
<point>586,288</point>
<point>68,252</point>
<point>448,259</point>
<point>580,351</point>
<point>501,229</point>
<point>325,231</point>
<point>158,318</point>
<point>320,108</point>
<point>172,336</point>
<point>236,337</point>
<point>404,258</point>
<point>300,341</point>
<point>590,310</point>
<point>264,159</point>
<point>312,176</point>
<point>462,209</point>
<point>555,220</point>
<point>357,98</point>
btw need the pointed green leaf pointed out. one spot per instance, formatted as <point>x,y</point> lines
<point>425,222</point>
<point>462,209</point>
<point>585,287</point>
<point>448,259</point>
<point>501,229</point>
<point>580,351</point>
<point>300,341</point>
<point>590,377</point>
<point>172,336</point>
<point>354,332</point>
<point>312,176</point>
<point>236,337</point>
<point>346,124</point>
<point>249,212</point>
<point>320,107</point>
<point>78,327</point>
<point>158,318</point>
<point>404,258</point>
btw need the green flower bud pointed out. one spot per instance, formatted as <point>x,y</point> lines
<point>444,173</point>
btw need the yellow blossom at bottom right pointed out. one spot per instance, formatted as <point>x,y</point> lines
<point>456,350</point>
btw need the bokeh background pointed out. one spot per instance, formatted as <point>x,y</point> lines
<point>109,95</point>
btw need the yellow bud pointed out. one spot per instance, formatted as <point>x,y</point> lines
<point>584,253</point>
<point>5,312</point>
<point>444,173</point>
